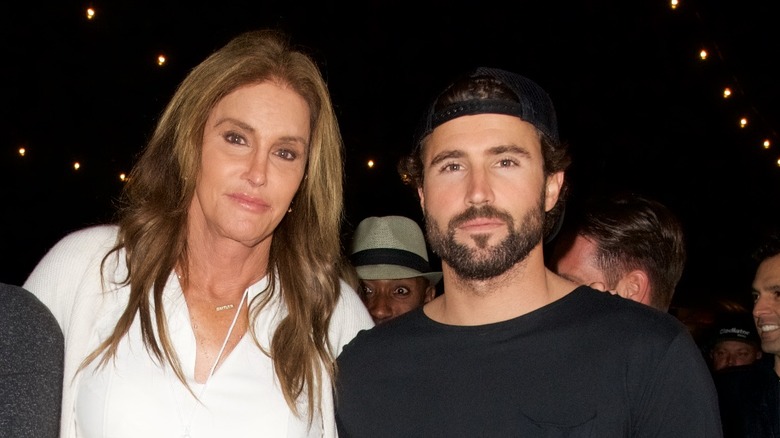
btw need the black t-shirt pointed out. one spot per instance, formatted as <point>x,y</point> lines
<point>588,365</point>
<point>749,400</point>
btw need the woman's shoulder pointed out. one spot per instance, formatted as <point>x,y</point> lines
<point>103,235</point>
<point>82,245</point>
<point>349,317</point>
<point>72,263</point>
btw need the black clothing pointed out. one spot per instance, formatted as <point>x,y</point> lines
<point>31,361</point>
<point>588,365</point>
<point>749,402</point>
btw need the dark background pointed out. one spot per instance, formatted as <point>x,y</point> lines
<point>638,107</point>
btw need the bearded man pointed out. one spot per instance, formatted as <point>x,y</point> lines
<point>510,349</point>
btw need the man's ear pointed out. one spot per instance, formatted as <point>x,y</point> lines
<point>635,286</point>
<point>422,197</point>
<point>430,293</point>
<point>553,185</point>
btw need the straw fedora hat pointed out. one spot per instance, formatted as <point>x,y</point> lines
<point>390,248</point>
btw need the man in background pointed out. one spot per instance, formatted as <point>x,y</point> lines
<point>626,244</point>
<point>734,342</point>
<point>749,396</point>
<point>391,261</point>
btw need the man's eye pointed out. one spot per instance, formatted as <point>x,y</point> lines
<point>402,291</point>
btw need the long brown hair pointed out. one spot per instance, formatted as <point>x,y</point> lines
<point>153,216</point>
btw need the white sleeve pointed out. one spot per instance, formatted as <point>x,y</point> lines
<point>70,268</point>
<point>349,317</point>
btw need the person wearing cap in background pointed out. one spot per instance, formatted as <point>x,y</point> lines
<point>510,348</point>
<point>391,261</point>
<point>734,342</point>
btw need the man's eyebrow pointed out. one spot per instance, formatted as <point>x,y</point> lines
<point>445,155</point>
<point>771,288</point>
<point>495,150</point>
<point>509,148</point>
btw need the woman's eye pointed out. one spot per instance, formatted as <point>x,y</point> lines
<point>287,154</point>
<point>234,138</point>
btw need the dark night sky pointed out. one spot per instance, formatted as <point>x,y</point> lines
<point>638,108</point>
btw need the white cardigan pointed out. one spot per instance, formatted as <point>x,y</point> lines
<point>68,281</point>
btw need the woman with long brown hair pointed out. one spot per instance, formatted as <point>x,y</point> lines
<point>215,306</point>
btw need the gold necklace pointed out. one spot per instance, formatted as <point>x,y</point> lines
<point>217,308</point>
<point>214,365</point>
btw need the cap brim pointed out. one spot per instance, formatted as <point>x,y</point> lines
<point>394,272</point>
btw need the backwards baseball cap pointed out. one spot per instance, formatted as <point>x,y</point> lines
<point>735,328</point>
<point>528,101</point>
<point>532,104</point>
<point>390,248</point>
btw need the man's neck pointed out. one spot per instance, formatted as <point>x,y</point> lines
<point>525,287</point>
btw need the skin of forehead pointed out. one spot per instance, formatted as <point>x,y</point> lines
<point>768,274</point>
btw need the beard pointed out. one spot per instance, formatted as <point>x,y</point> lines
<point>485,261</point>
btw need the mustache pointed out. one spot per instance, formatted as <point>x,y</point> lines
<point>485,211</point>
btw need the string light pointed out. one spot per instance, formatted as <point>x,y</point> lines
<point>728,92</point>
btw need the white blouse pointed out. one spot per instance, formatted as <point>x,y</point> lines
<point>134,397</point>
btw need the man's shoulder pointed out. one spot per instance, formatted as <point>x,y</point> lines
<point>607,308</point>
<point>16,300</point>
<point>397,331</point>
<point>25,320</point>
